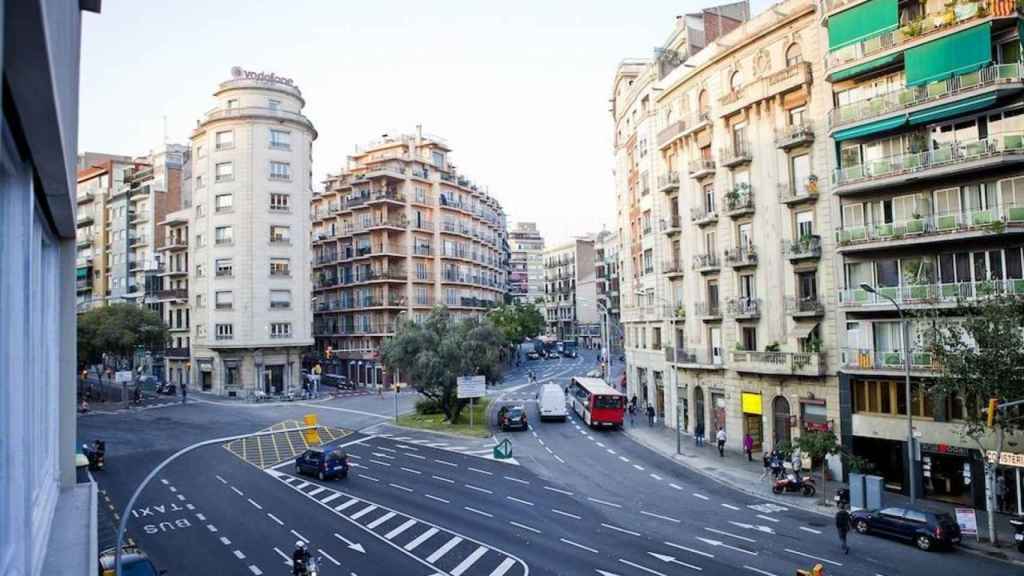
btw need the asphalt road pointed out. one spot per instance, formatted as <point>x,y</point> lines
<point>576,501</point>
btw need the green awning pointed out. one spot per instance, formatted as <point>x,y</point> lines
<point>954,109</point>
<point>861,22</point>
<point>959,53</point>
<point>82,273</point>
<point>865,67</point>
<point>870,128</point>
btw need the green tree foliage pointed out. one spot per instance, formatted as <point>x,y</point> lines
<point>432,354</point>
<point>517,322</point>
<point>817,445</point>
<point>116,330</point>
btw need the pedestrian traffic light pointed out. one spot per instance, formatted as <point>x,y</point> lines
<point>993,405</point>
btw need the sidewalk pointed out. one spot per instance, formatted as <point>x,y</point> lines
<point>736,472</point>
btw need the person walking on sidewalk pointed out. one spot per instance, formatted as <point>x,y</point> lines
<point>184,393</point>
<point>843,527</point>
<point>720,438</point>
<point>766,461</point>
<point>748,446</point>
<point>650,415</point>
<point>698,434</point>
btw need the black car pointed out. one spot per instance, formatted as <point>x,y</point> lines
<point>533,355</point>
<point>322,464</point>
<point>510,417</point>
<point>925,529</point>
<point>552,355</point>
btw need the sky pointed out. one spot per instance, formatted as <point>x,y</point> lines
<point>519,90</point>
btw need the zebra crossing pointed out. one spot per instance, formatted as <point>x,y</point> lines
<point>445,551</point>
<point>480,450</point>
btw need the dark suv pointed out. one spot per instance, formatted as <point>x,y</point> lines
<point>925,529</point>
<point>510,417</point>
<point>322,464</point>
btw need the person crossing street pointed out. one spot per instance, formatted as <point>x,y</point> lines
<point>843,527</point>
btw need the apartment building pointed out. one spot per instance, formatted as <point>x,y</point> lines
<point>526,264</point>
<point>571,308</point>
<point>96,183</point>
<point>172,296</point>
<point>606,270</point>
<point>397,232</point>
<point>927,122</point>
<point>248,225</point>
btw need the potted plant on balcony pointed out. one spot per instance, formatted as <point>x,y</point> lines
<point>680,311</point>
<point>773,347</point>
<point>812,185</point>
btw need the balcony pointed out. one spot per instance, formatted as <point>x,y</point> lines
<point>701,168</point>
<point>706,263</point>
<point>804,307</point>
<point>174,244</point>
<point>671,225</point>
<point>736,155</point>
<point>177,294</point>
<point>176,352</point>
<point>739,201</point>
<point>805,248</point>
<point>934,228</point>
<point>766,88</point>
<point>794,135</point>
<point>889,362</point>
<point>85,197</point>
<point>742,257</point>
<point>84,218</point>
<point>696,121</point>
<point>779,363</point>
<point>702,215</point>
<point>915,99</point>
<point>668,183</point>
<point>948,160</point>
<point>930,295</point>
<point>670,133</point>
<point>744,308</point>
<point>792,194</point>
<point>694,359</point>
<point>708,311</point>
<point>672,268</point>
<point>84,239</point>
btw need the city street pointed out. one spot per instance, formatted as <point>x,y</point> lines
<point>573,501</point>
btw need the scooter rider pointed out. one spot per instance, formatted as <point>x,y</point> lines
<point>300,559</point>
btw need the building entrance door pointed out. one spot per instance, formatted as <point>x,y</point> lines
<point>698,408</point>
<point>717,414</point>
<point>780,421</point>
<point>752,425</point>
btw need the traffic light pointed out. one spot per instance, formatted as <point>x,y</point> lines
<point>993,405</point>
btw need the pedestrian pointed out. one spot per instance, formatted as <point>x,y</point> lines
<point>748,446</point>
<point>184,393</point>
<point>766,461</point>
<point>698,434</point>
<point>650,415</point>
<point>633,402</point>
<point>632,414</point>
<point>776,464</point>
<point>843,527</point>
<point>720,437</point>
<point>797,462</point>
<point>380,390</point>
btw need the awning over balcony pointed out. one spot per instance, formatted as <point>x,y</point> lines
<point>954,109</point>
<point>862,22</point>
<point>870,128</point>
<point>866,67</point>
<point>960,53</point>
<point>82,273</point>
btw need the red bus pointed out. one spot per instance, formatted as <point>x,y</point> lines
<point>597,403</point>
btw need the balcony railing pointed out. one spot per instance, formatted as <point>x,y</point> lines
<point>900,100</point>
<point>701,168</point>
<point>782,363</point>
<point>706,262</point>
<point>931,294</point>
<point>945,155</point>
<point>795,135</point>
<point>804,306</point>
<point>668,182</point>
<point>708,310</point>
<point>175,294</point>
<point>744,308</point>
<point>795,193</point>
<point>703,215</point>
<point>990,219</point>
<point>671,225</point>
<point>889,360</point>
<point>694,358</point>
<point>670,133</point>
<point>806,247</point>
<point>736,155</point>
<point>672,267</point>
<point>176,352</point>
<point>739,200</point>
<point>742,256</point>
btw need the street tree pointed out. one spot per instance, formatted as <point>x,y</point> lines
<point>517,322</point>
<point>116,330</point>
<point>432,354</point>
<point>980,354</point>
<point>819,444</point>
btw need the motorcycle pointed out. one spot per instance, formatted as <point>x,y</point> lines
<point>792,484</point>
<point>167,388</point>
<point>95,454</point>
<point>309,568</point>
<point>1018,532</point>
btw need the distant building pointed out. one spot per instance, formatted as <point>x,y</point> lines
<point>526,267</point>
<point>606,269</point>
<point>570,292</point>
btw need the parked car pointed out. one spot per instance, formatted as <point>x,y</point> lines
<point>134,562</point>
<point>322,463</point>
<point>513,416</point>
<point>925,529</point>
<point>553,355</point>
<point>551,402</point>
<point>533,355</point>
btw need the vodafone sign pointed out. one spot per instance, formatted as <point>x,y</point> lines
<point>239,72</point>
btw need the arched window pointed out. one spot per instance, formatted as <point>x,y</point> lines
<point>735,81</point>
<point>793,55</point>
<point>702,101</point>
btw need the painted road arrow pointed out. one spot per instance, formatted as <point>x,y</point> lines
<point>352,545</point>
<point>672,560</point>
<point>287,558</point>
<point>711,542</point>
<point>604,573</point>
<point>758,527</point>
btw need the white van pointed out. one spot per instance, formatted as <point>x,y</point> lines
<point>551,401</point>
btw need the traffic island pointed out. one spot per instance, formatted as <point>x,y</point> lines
<point>461,426</point>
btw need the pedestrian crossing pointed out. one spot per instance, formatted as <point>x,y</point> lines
<point>483,449</point>
<point>446,551</point>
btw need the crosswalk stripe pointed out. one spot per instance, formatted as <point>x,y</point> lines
<point>346,505</point>
<point>503,567</point>
<point>469,561</point>
<point>420,539</point>
<point>444,549</point>
<point>405,526</point>
<point>317,491</point>
<point>363,512</point>
<point>380,520</point>
<point>331,497</point>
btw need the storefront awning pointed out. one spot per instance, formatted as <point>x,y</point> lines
<point>960,53</point>
<point>950,110</point>
<point>866,67</point>
<point>751,403</point>
<point>862,22</point>
<point>870,128</point>
<point>804,330</point>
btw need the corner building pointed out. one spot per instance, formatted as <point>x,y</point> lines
<point>249,281</point>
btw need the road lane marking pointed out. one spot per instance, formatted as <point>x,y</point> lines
<point>566,492</point>
<point>380,520</point>
<point>724,533</point>
<point>758,570</point>
<point>211,527</point>
<point>811,530</point>
<point>315,492</point>
<point>432,497</point>
<point>222,481</point>
<point>237,491</point>
<point>557,511</point>
<point>478,489</point>
<point>701,496</point>
<point>201,517</point>
<point>655,476</point>
<point>275,519</point>
<point>404,447</point>
<point>605,502</point>
<point>503,567</point>
<point>639,567</point>
<point>238,554</point>
<point>173,489</point>
<point>370,478</point>
<point>403,488</point>
<point>653,515</point>
<point>287,558</point>
<point>255,570</point>
<point>363,512</point>
<point>524,527</point>
<point>402,528</point>
<point>393,451</point>
<point>730,506</point>
<point>618,529</point>
<point>331,497</point>
<point>341,507</point>
<point>416,456</point>
<point>612,452</point>
<point>676,486</point>
<point>691,550</point>
<point>638,467</point>
<point>379,455</point>
<point>444,549</point>
<point>601,444</point>
<point>479,471</point>
<point>516,480</point>
<point>819,558</point>
<point>300,536</point>
<point>225,541</point>
<point>559,458</point>
<point>381,462</point>
<point>446,463</point>
<point>580,546</point>
<point>480,512</point>
<point>301,485</point>
<point>253,502</point>
<point>328,556</point>
<point>181,497</point>
<point>469,561</point>
<point>768,518</point>
<point>521,501</point>
<point>541,441</point>
<point>420,539</point>
<point>624,459</point>
<point>549,450</point>
<point>443,479</point>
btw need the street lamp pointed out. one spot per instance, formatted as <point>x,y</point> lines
<point>906,367</point>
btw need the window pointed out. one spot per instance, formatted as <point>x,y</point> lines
<point>280,171</point>
<point>748,337</point>
<point>807,286</point>
<point>223,235</point>
<point>224,172</point>
<point>200,300</point>
<point>656,338</point>
<point>225,331</point>
<point>223,203</point>
<point>200,271</point>
<point>280,139</point>
<point>280,299</point>
<point>648,261</point>
<point>200,210</point>
<point>232,104</point>
<point>280,234</point>
<point>223,267</point>
<point>804,224</point>
<point>201,330</point>
<point>279,267</point>
<point>225,139</point>
<point>794,55</point>
<point>278,202</point>
<point>274,104</point>
<point>800,171</point>
<point>224,300</point>
<point>200,151</point>
<point>798,116</point>
<point>709,198</point>
<point>647,222</point>
<point>200,181</point>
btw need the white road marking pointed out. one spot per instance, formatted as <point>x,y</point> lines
<point>559,458</point>
<point>469,561</point>
<point>701,496</point>
<point>624,459</point>
<point>225,541</point>
<point>386,449</point>
<point>181,497</point>
<point>275,519</point>
<point>190,506</point>
<point>356,456</point>
<point>211,527</point>
<point>201,517</point>
<point>655,476</point>
<point>514,499</point>
<point>432,497</point>
<point>173,489</point>
<point>612,452</point>
<point>381,462</point>
<point>478,489</point>
<point>479,471</point>
<point>758,570</point>
<point>605,502</point>
<point>724,533</point>
<point>618,529</point>
<point>639,567</point>
<point>255,570</point>
<point>380,520</point>
<point>653,515</point>
<point>416,456</point>
<point>379,455</point>
<point>819,558</point>
<point>237,491</point>
<point>315,492</point>
<point>768,518</point>
<point>638,467</point>
<point>580,546</point>
<point>557,511</point>
<point>239,555</point>
<point>165,482</point>
<point>524,527</point>
<point>370,478</point>
<point>730,506</point>
<point>404,447</point>
<point>446,463</point>
<point>601,444</point>
<point>300,536</point>
<point>363,512</point>
<point>328,556</point>
<point>516,480</point>
<point>443,479</point>
<point>253,502</point>
<point>480,512</point>
<point>420,539</point>
<point>444,549</point>
<point>811,530</point>
<point>287,558</point>
<point>222,481</point>
<point>549,450</point>
<point>331,497</point>
<point>341,507</point>
<point>541,441</point>
<point>676,486</point>
<point>402,528</point>
<point>724,545</point>
<point>302,485</point>
<point>691,550</point>
<point>402,488</point>
<point>566,492</point>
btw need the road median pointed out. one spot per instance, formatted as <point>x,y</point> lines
<point>461,426</point>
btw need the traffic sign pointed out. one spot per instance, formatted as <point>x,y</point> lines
<point>503,450</point>
<point>471,386</point>
<point>123,376</point>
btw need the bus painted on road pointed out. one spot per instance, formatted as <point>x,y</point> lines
<point>597,403</point>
